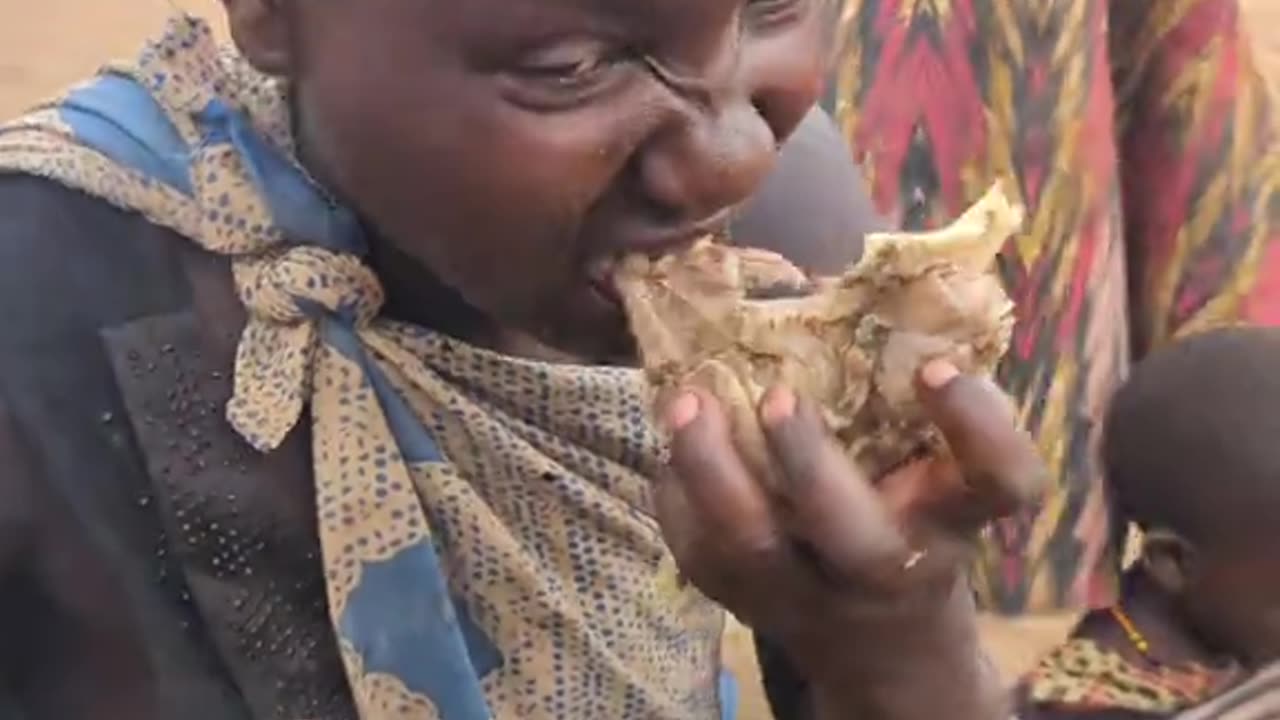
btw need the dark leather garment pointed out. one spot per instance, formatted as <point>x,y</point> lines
<point>150,565</point>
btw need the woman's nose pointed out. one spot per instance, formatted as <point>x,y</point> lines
<point>709,158</point>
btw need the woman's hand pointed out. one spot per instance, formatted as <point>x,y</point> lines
<point>862,583</point>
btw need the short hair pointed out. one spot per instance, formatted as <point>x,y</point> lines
<point>1192,439</point>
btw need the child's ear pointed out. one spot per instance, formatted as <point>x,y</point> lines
<point>1168,559</point>
<point>260,29</point>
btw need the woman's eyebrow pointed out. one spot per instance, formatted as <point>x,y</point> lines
<point>639,15</point>
<point>526,18</point>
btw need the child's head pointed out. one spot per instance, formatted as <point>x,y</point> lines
<point>1192,454</point>
<point>509,148</point>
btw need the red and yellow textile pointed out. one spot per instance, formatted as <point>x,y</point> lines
<point>1140,137</point>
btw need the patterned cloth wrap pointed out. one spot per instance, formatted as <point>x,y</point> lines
<point>485,521</point>
<point>1084,676</point>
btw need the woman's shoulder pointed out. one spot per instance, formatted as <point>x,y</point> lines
<point>72,263</point>
<point>71,267</point>
<point>82,541</point>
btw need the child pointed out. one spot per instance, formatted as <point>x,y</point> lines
<point>1192,454</point>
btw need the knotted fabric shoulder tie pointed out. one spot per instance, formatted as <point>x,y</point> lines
<point>288,294</point>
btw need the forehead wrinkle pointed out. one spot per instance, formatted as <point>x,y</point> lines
<point>552,16</point>
<point>630,17</point>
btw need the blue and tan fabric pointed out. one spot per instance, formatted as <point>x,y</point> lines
<point>484,521</point>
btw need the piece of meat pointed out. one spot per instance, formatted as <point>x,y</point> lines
<point>736,321</point>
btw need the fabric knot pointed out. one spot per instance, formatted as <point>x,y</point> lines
<point>287,294</point>
<point>306,283</point>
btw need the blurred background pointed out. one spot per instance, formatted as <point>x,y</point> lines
<point>47,44</point>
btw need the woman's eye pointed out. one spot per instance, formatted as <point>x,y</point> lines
<point>768,13</point>
<point>567,75</point>
<point>570,66</point>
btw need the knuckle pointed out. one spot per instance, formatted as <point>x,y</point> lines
<point>875,564</point>
<point>1031,490</point>
<point>755,551</point>
<point>1014,480</point>
<point>1024,484</point>
<point>724,569</point>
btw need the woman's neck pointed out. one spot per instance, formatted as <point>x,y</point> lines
<point>414,295</point>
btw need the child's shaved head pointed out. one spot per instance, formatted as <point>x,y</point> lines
<point>1193,439</point>
<point>1192,451</point>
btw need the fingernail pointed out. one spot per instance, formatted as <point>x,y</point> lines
<point>779,405</point>
<point>937,373</point>
<point>681,411</point>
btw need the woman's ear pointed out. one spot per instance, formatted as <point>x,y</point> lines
<point>1168,559</point>
<point>260,29</point>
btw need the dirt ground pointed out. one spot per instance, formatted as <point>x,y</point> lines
<point>45,45</point>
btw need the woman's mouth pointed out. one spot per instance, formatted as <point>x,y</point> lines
<point>655,241</point>
<point>600,279</point>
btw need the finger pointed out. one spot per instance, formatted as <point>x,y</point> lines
<point>833,506</point>
<point>906,489</point>
<point>726,502</point>
<point>680,529</point>
<point>759,591</point>
<point>994,460</point>
<point>921,505</point>
<point>932,491</point>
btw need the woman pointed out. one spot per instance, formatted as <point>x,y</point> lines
<point>323,418</point>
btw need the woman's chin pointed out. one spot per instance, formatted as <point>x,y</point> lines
<point>589,330</point>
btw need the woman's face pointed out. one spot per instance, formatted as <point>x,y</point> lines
<point>514,147</point>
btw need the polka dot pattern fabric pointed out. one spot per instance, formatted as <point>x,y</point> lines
<point>485,521</point>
